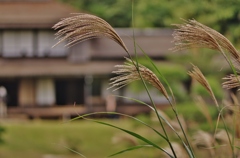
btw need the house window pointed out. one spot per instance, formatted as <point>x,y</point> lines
<point>45,92</point>
<point>30,43</point>
<point>17,43</point>
<point>46,40</point>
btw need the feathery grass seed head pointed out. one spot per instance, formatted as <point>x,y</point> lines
<point>205,140</point>
<point>232,81</point>
<point>83,27</point>
<point>194,34</point>
<point>197,75</point>
<point>130,72</point>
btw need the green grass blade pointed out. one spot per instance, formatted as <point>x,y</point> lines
<point>144,83</point>
<point>130,149</point>
<point>188,148</point>
<point>164,119</point>
<point>167,122</point>
<point>234,120</point>
<point>154,106</point>
<point>131,133</point>
<point>137,68</point>
<point>74,151</point>
<point>136,100</point>
<point>116,113</point>
<point>190,152</point>
<point>161,75</point>
<point>136,136</point>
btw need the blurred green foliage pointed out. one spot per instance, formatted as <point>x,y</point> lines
<point>115,12</point>
<point>171,71</point>
<point>224,16</point>
<point>2,130</point>
<point>213,67</point>
<point>191,112</point>
<point>210,62</point>
<point>215,84</point>
<point>175,74</point>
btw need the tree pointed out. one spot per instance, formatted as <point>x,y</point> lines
<point>218,14</point>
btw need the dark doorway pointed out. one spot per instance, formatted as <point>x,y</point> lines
<point>69,91</point>
<point>11,86</point>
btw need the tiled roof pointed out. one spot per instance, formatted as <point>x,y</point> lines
<point>32,14</point>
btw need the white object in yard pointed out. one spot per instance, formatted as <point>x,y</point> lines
<point>3,106</point>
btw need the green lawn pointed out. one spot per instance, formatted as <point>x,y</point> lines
<point>39,139</point>
<point>50,139</point>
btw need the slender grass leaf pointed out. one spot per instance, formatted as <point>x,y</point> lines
<point>190,151</point>
<point>125,116</point>
<point>136,100</point>
<point>74,151</point>
<point>133,134</point>
<point>130,149</point>
<point>162,76</point>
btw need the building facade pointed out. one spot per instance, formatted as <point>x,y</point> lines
<point>45,81</point>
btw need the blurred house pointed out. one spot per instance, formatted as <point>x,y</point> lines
<point>42,81</point>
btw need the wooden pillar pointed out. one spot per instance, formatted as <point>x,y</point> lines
<point>88,80</point>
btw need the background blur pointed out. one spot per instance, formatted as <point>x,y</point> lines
<point>42,84</point>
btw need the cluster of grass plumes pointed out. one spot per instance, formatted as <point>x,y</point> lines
<point>83,27</point>
<point>195,34</point>
<point>197,75</point>
<point>190,34</point>
<point>129,72</point>
<point>232,81</point>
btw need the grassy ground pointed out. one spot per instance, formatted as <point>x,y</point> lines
<point>49,139</point>
<point>40,139</point>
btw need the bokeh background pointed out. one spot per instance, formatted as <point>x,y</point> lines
<point>42,88</point>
